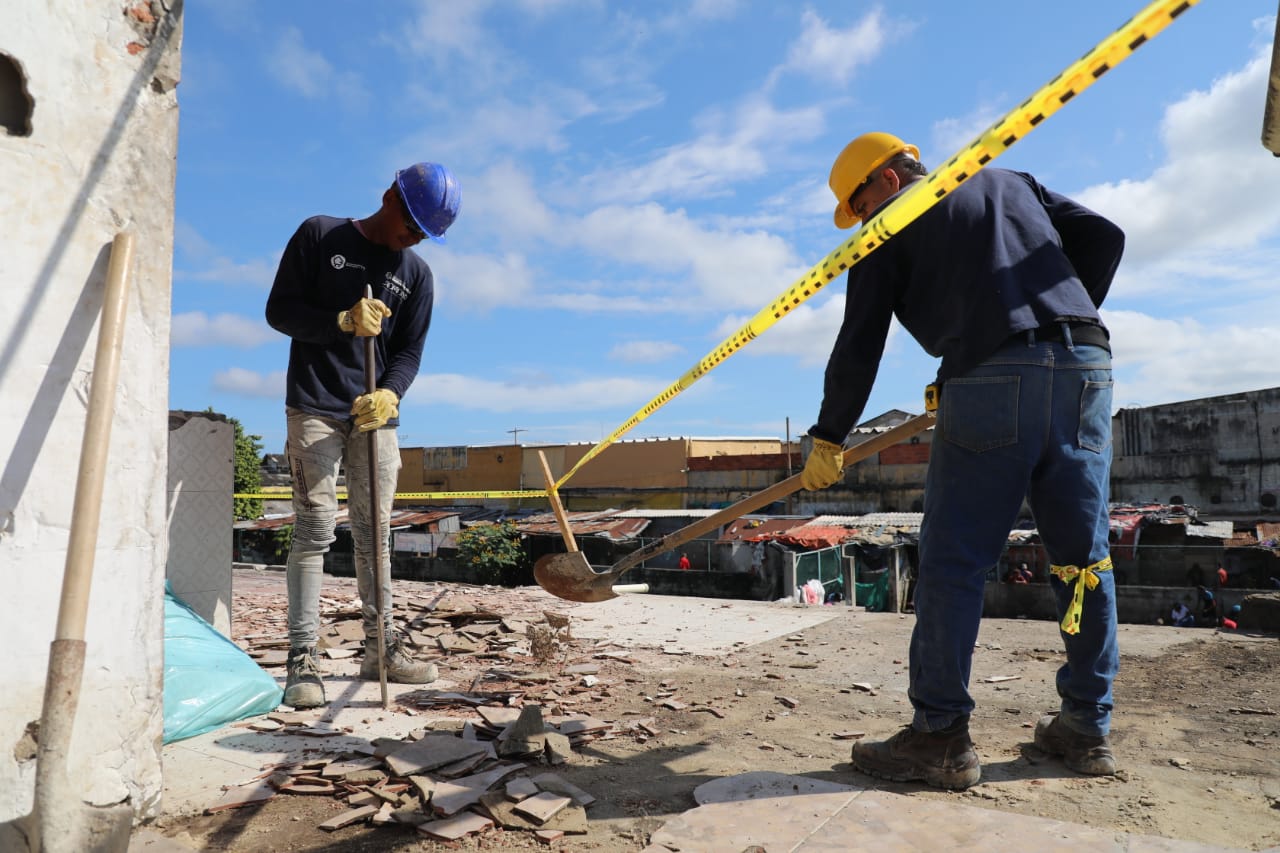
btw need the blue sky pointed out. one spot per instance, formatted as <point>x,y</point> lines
<point>639,179</point>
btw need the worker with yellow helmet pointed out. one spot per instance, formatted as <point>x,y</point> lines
<point>1002,280</point>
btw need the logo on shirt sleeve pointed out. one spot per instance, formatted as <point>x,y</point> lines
<point>337,262</point>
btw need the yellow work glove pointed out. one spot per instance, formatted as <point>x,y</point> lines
<point>365,318</point>
<point>824,465</point>
<point>372,411</point>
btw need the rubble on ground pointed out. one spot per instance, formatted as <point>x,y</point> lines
<point>483,760</point>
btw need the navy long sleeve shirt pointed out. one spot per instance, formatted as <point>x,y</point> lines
<point>999,255</point>
<point>323,272</point>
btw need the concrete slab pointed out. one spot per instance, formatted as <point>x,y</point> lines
<point>880,821</point>
<point>698,626</point>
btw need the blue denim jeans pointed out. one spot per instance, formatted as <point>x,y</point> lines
<point>1033,421</point>
<point>317,447</point>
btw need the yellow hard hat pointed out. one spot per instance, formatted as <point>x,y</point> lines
<point>858,161</point>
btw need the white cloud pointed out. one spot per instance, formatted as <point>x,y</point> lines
<point>249,383</point>
<point>728,269</point>
<point>197,251</point>
<point>731,147</point>
<point>197,329</point>
<point>949,135</point>
<point>832,54</point>
<point>532,393</point>
<point>1218,187</point>
<point>310,74</point>
<point>644,352</point>
<point>504,200</point>
<point>1166,360</point>
<point>807,333</point>
<point>479,282</point>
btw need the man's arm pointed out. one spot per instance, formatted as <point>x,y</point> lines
<point>1090,241</point>
<point>855,358</point>
<point>289,310</point>
<point>403,353</point>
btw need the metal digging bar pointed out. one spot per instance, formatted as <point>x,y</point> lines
<point>375,510</point>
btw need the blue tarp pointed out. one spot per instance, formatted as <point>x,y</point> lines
<point>208,680</point>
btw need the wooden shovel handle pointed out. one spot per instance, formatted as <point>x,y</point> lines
<point>767,496</point>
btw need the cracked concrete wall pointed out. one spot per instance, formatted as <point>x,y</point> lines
<point>88,139</point>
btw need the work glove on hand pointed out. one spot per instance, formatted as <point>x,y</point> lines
<point>372,411</point>
<point>825,463</point>
<point>365,318</point>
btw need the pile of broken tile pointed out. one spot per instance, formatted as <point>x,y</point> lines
<point>444,783</point>
<point>482,760</point>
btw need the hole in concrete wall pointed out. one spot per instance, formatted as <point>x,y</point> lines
<point>1176,499</point>
<point>16,105</point>
<point>1268,500</point>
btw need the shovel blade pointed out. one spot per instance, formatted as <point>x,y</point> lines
<point>570,576</point>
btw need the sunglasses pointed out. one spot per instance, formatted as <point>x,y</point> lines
<point>408,219</point>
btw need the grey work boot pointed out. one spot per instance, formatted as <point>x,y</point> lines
<point>943,759</point>
<point>401,667</point>
<point>303,687</point>
<point>1088,754</point>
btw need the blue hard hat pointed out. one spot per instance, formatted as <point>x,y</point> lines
<point>432,195</point>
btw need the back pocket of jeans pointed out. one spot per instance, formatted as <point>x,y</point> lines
<point>1095,416</point>
<point>980,413</point>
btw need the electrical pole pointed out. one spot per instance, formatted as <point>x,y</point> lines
<point>515,435</point>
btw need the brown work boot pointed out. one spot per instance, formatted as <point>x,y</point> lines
<point>303,687</point>
<point>1089,754</point>
<point>401,667</point>
<point>943,759</point>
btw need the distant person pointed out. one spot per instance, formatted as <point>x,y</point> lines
<point>1232,620</point>
<point>1002,278</point>
<point>685,565</point>
<point>1014,575</point>
<point>1208,614</point>
<point>1180,615</point>
<point>1222,577</point>
<point>1195,575</point>
<point>1025,571</point>
<point>318,300</point>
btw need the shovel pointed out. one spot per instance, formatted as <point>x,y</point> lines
<point>570,576</point>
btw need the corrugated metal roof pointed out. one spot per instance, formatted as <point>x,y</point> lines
<point>910,520</point>
<point>1211,530</point>
<point>399,518</point>
<point>749,528</point>
<point>667,513</point>
<point>606,523</point>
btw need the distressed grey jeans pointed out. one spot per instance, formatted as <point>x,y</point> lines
<point>316,447</point>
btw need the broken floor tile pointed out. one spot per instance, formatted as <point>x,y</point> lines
<point>542,806</point>
<point>243,795</point>
<point>557,784</point>
<point>349,817</point>
<point>432,752</point>
<point>519,789</point>
<point>453,828</point>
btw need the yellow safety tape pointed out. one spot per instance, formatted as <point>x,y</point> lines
<point>923,194</point>
<point>287,494</point>
<point>1085,578</point>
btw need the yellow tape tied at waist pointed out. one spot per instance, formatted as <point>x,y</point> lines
<point>1085,578</point>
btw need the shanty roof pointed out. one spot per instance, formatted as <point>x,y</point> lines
<point>908,520</point>
<point>755,528</point>
<point>607,523</point>
<point>666,513</point>
<point>399,518</point>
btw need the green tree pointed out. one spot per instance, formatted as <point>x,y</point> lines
<point>494,553</point>
<point>248,475</point>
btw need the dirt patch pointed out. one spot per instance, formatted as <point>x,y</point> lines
<point>1196,733</point>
